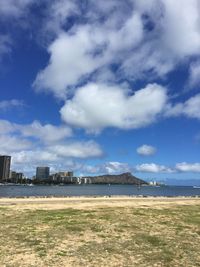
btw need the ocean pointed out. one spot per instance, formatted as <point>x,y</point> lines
<point>96,190</point>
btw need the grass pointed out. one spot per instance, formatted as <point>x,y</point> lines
<point>129,236</point>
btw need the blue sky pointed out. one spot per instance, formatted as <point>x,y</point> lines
<point>101,87</point>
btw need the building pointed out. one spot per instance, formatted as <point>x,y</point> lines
<point>64,177</point>
<point>42,173</point>
<point>16,177</point>
<point>66,174</point>
<point>4,167</point>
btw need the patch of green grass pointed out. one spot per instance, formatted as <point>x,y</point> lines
<point>61,253</point>
<point>151,239</point>
<point>3,208</point>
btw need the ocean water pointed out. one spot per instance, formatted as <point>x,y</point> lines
<point>96,190</point>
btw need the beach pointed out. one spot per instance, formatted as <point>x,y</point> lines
<point>99,231</point>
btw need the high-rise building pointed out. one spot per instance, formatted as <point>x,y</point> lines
<point>42,173</point>
<point>4,167</point>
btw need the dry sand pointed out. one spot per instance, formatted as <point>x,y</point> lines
<point>34,203</point>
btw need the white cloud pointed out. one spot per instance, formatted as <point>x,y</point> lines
<point>189,108</point>
<point>154,168</point>
<point>70,59</point>
<point>8,104</point>
<point>176,25</point>
<point>112,167</point>
<point>77,150</point>
<point>46,133</point>
<point>57,14</point>
<point>115,167</point>
<point>33,157</point>
<point>194,75</point>
<point>6,127</point>
<point>14,8</point>
<point>181,26</point>
<point>11,9</point>
<point>84,49</point>
<point>179,167</point>
<point>95,107</point>
<point>10,143</point>
<point>146,150</point>
<point>174,36</point>
<point>147,49</point>
<point>188,167</point>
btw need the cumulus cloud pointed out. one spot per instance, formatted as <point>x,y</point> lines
<point>9,143</point>
<point>81,51</point>
<point>87,38</point>
<point>70,59</point>
<point>47,132</point>
<point>95,107</point>
<point>93,43</point>
<point>181,24</point>
<point>188,167</point>
<point>154,168</point>
<point>146,150</point>
<point>82,150</point>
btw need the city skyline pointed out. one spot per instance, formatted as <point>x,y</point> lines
<point>101,88</point>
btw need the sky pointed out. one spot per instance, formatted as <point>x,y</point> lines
<point>101,87</point>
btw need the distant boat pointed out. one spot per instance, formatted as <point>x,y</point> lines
<point>195,186</point>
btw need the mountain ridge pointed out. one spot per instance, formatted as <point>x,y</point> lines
<point>124,178</point>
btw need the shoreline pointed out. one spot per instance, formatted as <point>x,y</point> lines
<point>100,197</point>
<point>96,196</point>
